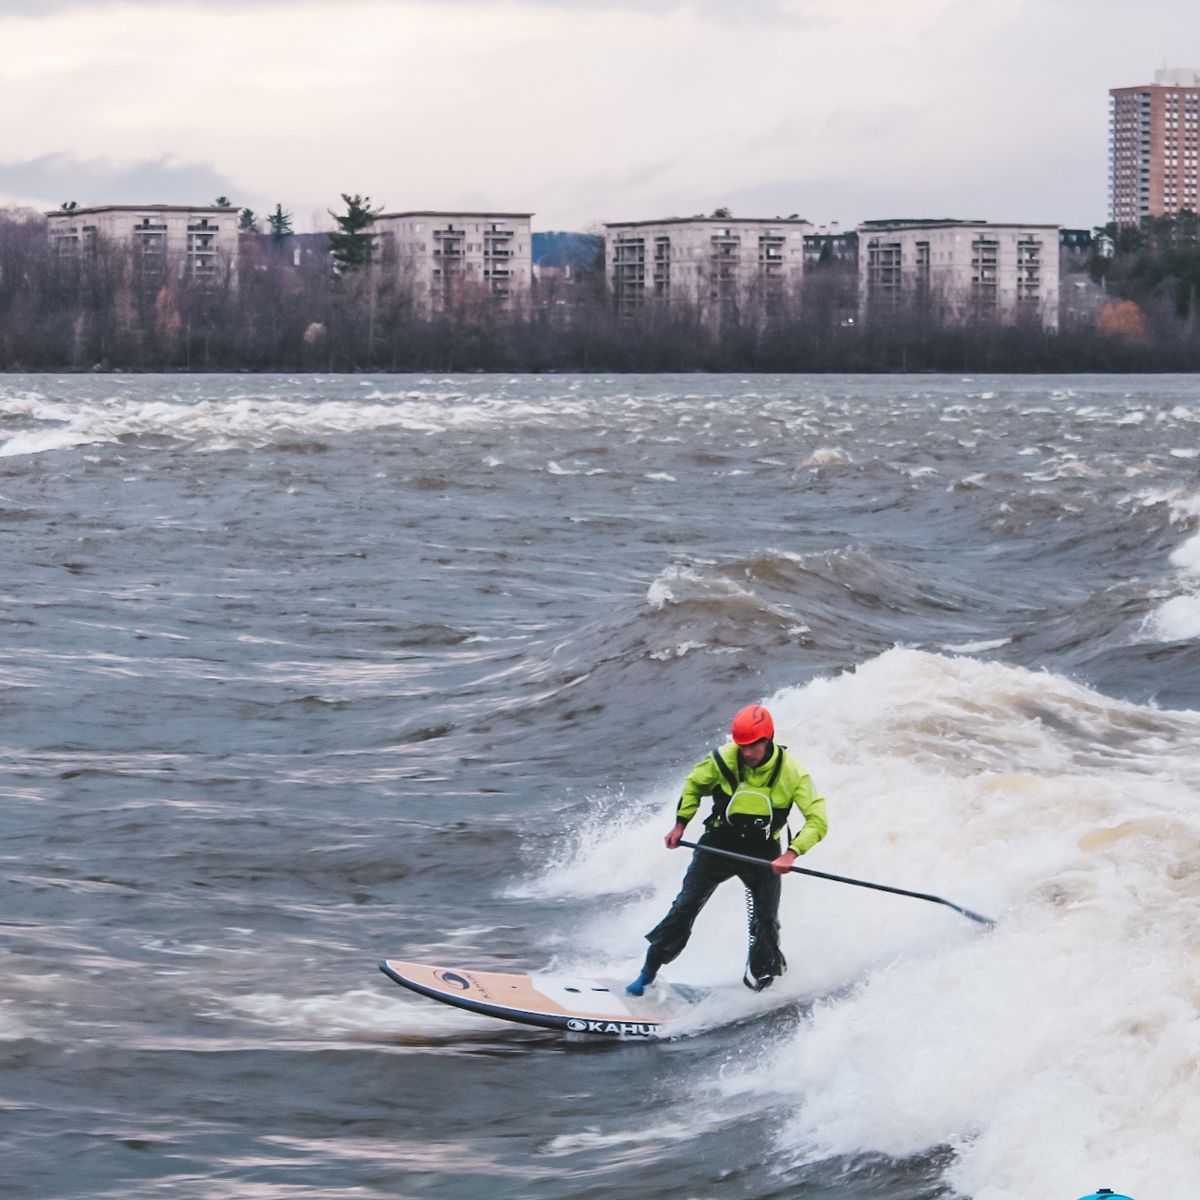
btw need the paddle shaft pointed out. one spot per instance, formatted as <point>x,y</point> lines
<point>863,883</point>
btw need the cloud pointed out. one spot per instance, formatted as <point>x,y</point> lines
<point>50,179</point>
<point>576,109</point>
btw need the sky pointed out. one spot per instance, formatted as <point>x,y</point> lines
<point>580,111</point>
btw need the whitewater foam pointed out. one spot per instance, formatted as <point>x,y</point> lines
<point>247,421</point>
<point>976,647</point>
<point>1065,1045</point>
<point>1175,620</point>
<point>1178,618</point>
<point>1187,556</point>
<point>359,1012</point>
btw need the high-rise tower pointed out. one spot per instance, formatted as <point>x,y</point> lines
<point>1154,144</point>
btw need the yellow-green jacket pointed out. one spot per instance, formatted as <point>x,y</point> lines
<point>740,793</point>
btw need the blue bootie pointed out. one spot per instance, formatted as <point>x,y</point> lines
<point>639,985</point>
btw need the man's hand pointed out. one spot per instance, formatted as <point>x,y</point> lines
<point>672,838</point>
<point>783,864</point>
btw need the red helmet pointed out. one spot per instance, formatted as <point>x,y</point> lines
<point>752,723</point>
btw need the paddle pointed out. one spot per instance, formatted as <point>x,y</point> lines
<point>863,883</point>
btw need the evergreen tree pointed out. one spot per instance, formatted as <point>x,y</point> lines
<point>352,244</point>
<point>280,224</point>
<point>247,221</point>
<point>223,202</point>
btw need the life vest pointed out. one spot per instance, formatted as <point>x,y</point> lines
<point>744,807</point>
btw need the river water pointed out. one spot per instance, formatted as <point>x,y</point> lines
<point>301,673</point>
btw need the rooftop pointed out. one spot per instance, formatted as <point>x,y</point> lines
<point>1180,77</point>
<point>434,212</point>
<point>950,222</point>
<point>137,208</point>
<point>710,221</point>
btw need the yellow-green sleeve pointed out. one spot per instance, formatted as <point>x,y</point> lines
<point>816,822</point>
<point>703,781</point>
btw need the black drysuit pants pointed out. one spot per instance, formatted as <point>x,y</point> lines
<point>707,871</point>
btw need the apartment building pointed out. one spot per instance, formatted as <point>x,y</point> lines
<point>167,240</point>
<point>721,265</point>
<point>960,270</point>
<point>1154,145</point>
<point>447,258</point>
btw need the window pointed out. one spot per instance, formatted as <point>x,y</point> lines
<point>883,271</point>
<point>922,276</point>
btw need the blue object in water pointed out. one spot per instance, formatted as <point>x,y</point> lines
<point>1106,1194</point>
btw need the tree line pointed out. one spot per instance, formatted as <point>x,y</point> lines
<point>331,309</point>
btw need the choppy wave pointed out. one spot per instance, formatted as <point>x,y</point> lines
<point>847,596</point>
<point>812,428</point>
<point>244,422</point>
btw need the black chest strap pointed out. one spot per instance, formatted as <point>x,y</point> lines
<point>778,767</point>
<point>727,771</point>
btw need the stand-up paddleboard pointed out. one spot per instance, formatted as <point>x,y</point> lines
<point>596,1006</point>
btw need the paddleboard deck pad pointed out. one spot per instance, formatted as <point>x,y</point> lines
<point>592,1006</point>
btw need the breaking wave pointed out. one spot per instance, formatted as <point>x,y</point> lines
<point>1068,815</point>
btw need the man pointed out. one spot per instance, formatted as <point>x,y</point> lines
<point>753,783</point>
